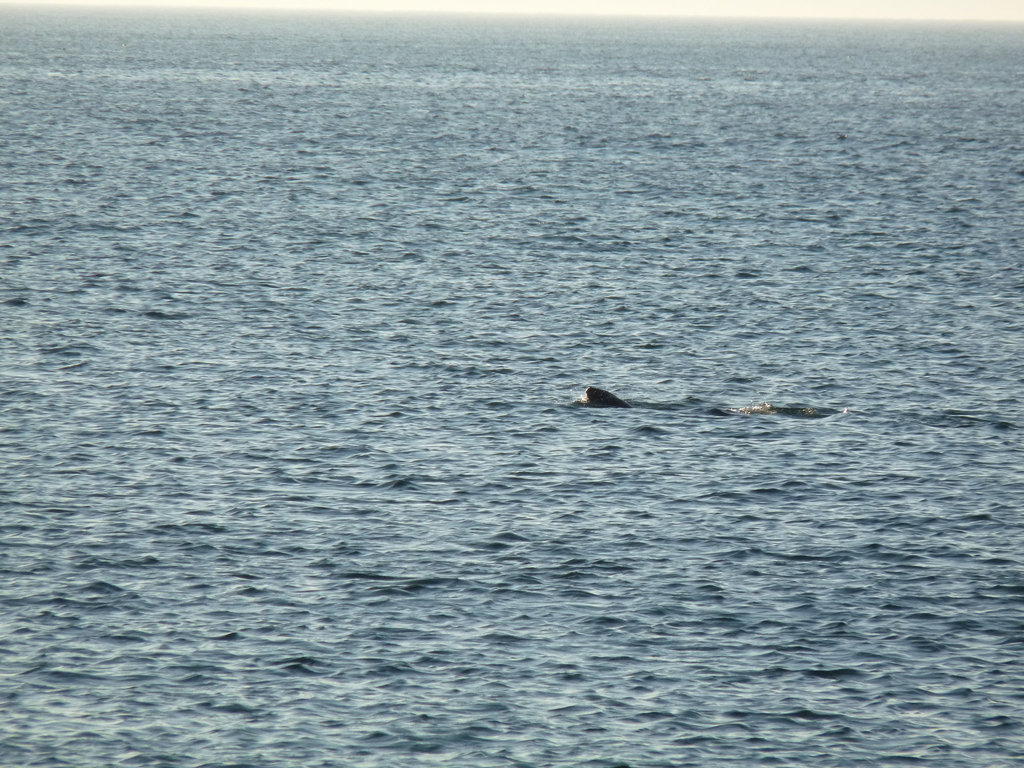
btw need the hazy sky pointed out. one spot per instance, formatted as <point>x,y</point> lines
<point>884,9</point>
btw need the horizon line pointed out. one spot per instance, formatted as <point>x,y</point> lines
<point>396,9</point>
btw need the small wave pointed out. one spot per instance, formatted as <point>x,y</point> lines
<point>102,588</point>
<point>300,664</point>
<point>73,349</point>
<point>648,429</point>
<point>412,586</point>
<point>844,673</point>
<point>156,314</point>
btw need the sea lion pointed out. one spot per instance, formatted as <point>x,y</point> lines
<point>599,398</point>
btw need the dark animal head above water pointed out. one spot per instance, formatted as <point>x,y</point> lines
<point>602,399</point>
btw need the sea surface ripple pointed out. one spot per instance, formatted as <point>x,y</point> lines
<point>294,315</point>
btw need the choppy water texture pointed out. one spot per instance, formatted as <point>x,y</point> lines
<point>294,313</point>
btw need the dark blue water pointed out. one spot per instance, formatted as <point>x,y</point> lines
<point>293,315</point>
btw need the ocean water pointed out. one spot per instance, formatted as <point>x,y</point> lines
<point>294,315</point>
